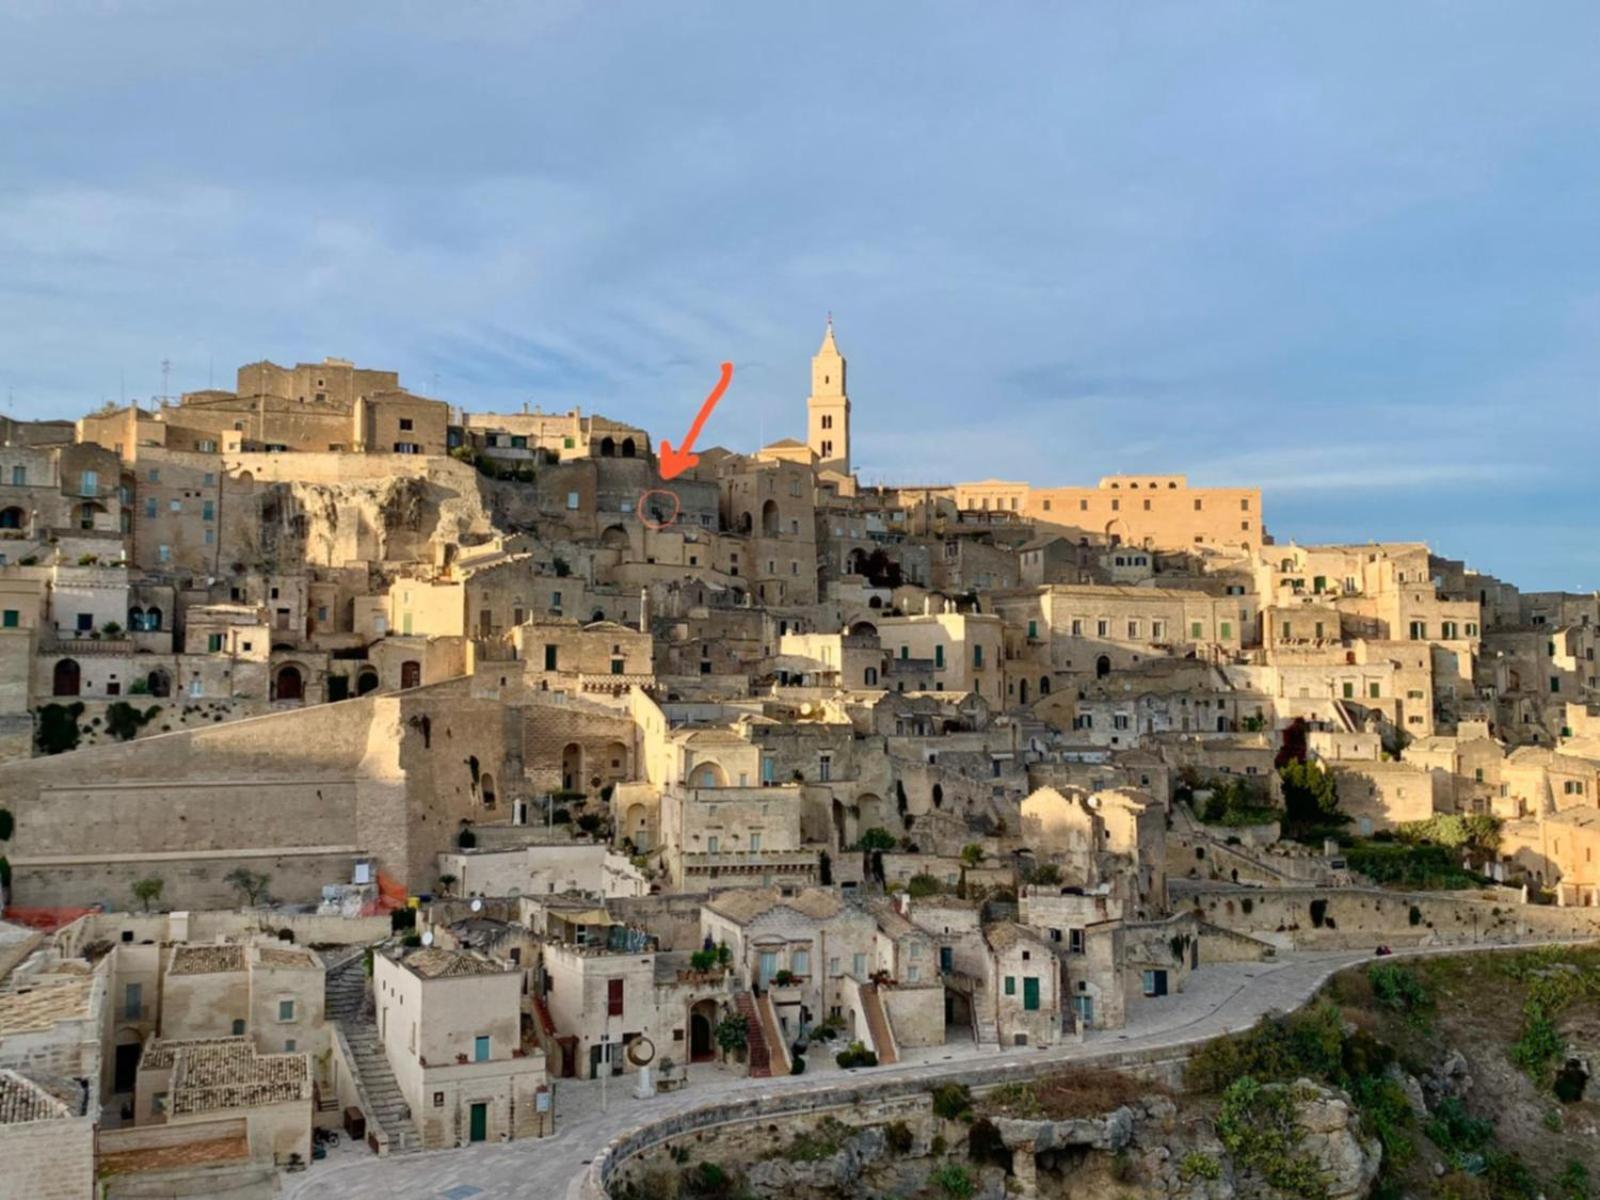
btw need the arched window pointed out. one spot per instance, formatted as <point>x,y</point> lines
<point>159,683</point>
<point>770,524</point>
<point>136,619</point>
<point>871,677</point>
<point>12,518</point>
<point>1102,667</point>
<point>366,681</point>
<point>152,619</point>
<point>608,447</point>
<point>1044,685</point>
<point>628,448</point>
<point>486,789</point>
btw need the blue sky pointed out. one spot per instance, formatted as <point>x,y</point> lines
<point>1347,251</point>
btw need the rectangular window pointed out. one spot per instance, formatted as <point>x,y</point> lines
<point>164,553</point>
<point>572,501</point>
<point>1077,627</point>
<point>938,658</point>
<point>12,619</point>
<point>285,1010</point>
<point>19,476</point>
<point>549,657</point>
<point>1196,630</point>
<point>213,643</point>
<point>858,965</point>
<point>1372,690</point>
<point>1419,631</point>
<point>1075,941</point>
<point>713,844</point>
<point>480,1045</point>
<point>1030,987</point>
<point>1226,630</point>
<point>1033,630</point>
<point>800,962</point>
<point>614,997</point>
<point>825,767</point>
<point>1349,690</point>
<point>405,424</point>
<point>977,657</point>
<point>132,1001</point>
<point>208,510</point>
<point>755,843</point>
<point>85,622</point>
<point>1011,985</point>
<point>150,509</point>
<point>1158,630</point>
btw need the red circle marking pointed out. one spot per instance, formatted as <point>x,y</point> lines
<point>650,522</point>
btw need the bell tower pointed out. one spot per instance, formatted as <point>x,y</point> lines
<point>828,408</point>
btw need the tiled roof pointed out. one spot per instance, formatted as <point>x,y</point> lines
<point>286,956</point>
<point>1005,934</point>
<point>162,1053</point>
<point>206,960</point>
<point>438,963</point>
<point>42,1006</point>
<point>25,1099</point>
<point>214,1075</point>
<point>746,904</point>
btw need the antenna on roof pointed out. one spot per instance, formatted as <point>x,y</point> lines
<point>166,379</point>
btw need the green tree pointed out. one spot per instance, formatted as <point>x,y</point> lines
<point>1309,794</point>
<point>971,854</point>
<point>877,838</point>
<point>732,1033</point>
<point>250,884</point>
<point>148,889</point>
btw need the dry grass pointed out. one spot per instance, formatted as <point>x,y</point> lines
<point>1066,1096</point>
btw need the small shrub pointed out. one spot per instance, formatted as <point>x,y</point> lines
<point>953,1180</point>
<point>897,1135</point>
<point>1198,1165</point>
<point>797,1064</point>
<point>937,1146</point>
<point>703,960</point>
<point>952,1101</point>
<point>856,1055</point>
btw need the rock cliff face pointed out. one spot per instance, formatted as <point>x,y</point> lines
<point>1155,1149</point>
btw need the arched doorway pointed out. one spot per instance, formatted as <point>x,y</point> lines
<point>615,537</point>
<point>1102,666</point>
<point>12,518</point>
<point>290,685</point>
<point>1044,685</point>
<point>614,767</point>
<point>702,1023</point>
<point>67,679</point>
<point>608,447</point>
<point>87,514</point>
<point>841,825</point>
<point>708,775</point>
<point>769,519</point>
<point>572,767</point>
<point>864,629</point>
<point>410,673</point>
<point>486,789</point>
<point>628,448</point>
<point>636,827</point>
<point>1022,691</point>
<point>366,681</point>
<point>938,795</point>
<point>159,683</point>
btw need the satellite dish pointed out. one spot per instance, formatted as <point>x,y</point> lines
<point>477,905</point>
<point>427,938</point>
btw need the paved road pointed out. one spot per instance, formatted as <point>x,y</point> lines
<point>1219,999</point>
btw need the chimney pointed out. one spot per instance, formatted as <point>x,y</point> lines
<point>644,610</point>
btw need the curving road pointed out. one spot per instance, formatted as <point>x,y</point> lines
<point>1217,1000</point>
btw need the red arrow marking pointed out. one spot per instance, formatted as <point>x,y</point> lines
<point>676,462</point>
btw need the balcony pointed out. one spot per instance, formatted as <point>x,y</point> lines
<point>750,860</point>
<point>78,646</point>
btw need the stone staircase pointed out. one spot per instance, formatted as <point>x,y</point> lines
<point>757,1053</point>
<point>878,1025</point>
<point>385,1106</point>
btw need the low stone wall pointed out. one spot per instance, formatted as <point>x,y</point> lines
<point>885,1093</point>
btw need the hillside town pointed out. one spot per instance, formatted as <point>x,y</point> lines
<point>379,776</point>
